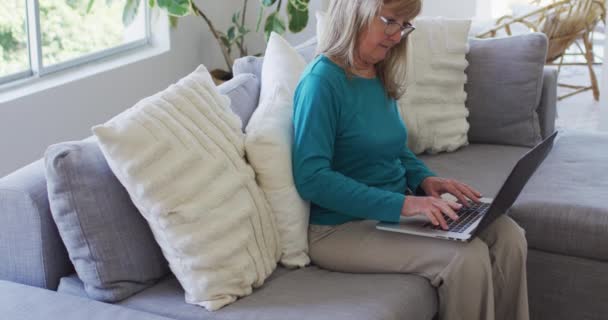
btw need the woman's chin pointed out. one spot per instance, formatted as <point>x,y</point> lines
<point>382,53</point>
<point>380,58</point>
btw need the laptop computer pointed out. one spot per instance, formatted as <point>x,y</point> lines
<point>472,220</point>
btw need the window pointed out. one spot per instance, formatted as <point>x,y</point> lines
<point>13,39</point>
<point>38,37</point>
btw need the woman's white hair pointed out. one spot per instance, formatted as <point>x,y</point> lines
<point>346,19</point>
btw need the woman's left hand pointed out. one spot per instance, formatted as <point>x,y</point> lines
<point>435,186</point>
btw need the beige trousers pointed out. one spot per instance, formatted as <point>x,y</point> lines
<point>483,279</point>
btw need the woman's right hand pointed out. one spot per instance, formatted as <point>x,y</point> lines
<point>433,208</point>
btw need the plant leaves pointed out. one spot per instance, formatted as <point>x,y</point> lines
<point>235,17</point>
<point>173,21</point>
<point>177,8</point>
<point>151,3</point>
<point>90,6</point>
<point>130,11</point>
<point>260,16</point>
<point>274,23</point>
<point>231,33</point>
<point>225,41</point>
<point>297,15</point>
<point>74,4</point>
<point>268,3</point>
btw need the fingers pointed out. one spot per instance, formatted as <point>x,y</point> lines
<point>469,192</point>
<point>431,207</point>
<point>455,191</point>
<point>463,192</point>
<point>432,217</point>
<point>477,194</point>
<point>444,207</point>
<point>439,217</point>
<point>454,205</point>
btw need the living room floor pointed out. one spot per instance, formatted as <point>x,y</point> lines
<point>579,112</point>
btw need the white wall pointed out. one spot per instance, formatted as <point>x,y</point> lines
<point>31,123</point>
<point>463,9</point>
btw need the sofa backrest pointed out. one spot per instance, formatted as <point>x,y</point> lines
<point>31,250</point>
<point>548,96</point>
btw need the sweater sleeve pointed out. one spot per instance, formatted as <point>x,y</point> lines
<point>316,125</point>
<point>415,170</point>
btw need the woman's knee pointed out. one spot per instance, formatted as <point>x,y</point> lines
<point>507,237</point>
<point>476,256</point>
<point>471,264</point>
<point>513,233</point>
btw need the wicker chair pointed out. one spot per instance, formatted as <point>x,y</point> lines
<point>565,23</point>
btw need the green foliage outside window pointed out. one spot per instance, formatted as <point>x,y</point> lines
<point>13,48</point>
<point>69,29</point>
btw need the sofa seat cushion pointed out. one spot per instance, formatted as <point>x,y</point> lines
<point>563,207</point>
<point>483,166</point>
<point>309,293</point>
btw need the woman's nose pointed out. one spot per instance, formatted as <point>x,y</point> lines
<point>396,37</point>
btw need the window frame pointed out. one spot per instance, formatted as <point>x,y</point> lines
<point>34,36</point>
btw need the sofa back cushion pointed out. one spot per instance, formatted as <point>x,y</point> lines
<point>108,241</point>
<point>243,91</point>
<point>504,89</point>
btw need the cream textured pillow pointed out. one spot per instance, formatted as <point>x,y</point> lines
<point>433,107</point>
<point>268,146</point>
<point>180,155</point>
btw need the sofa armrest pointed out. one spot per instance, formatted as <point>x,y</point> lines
<point>31,251</point>
<point>547,108</point>
<point>19,301</point>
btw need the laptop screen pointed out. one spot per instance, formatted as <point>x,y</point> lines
<point>516,181</point>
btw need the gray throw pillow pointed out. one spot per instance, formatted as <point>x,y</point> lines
<point>108,241</point>
<point>504,83</point>
<point>243,91</point>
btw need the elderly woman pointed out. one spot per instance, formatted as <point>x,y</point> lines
<point>350,159</point>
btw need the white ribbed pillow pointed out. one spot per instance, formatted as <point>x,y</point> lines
<point>433,107</point>
<point>180,155</point>
<point>268,146</point>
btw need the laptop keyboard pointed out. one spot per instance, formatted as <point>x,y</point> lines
<point>467,216</point>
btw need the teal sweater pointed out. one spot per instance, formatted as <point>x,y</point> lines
<point>350,157</point>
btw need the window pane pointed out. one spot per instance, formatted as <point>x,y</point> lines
<point>69,31</point>
<point>13,37</point>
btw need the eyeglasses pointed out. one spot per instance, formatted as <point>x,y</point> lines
<point>391,27</point>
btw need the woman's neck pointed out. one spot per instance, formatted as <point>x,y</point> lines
<point>362,68</point>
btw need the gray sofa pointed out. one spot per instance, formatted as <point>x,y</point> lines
<point>567,266</point>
